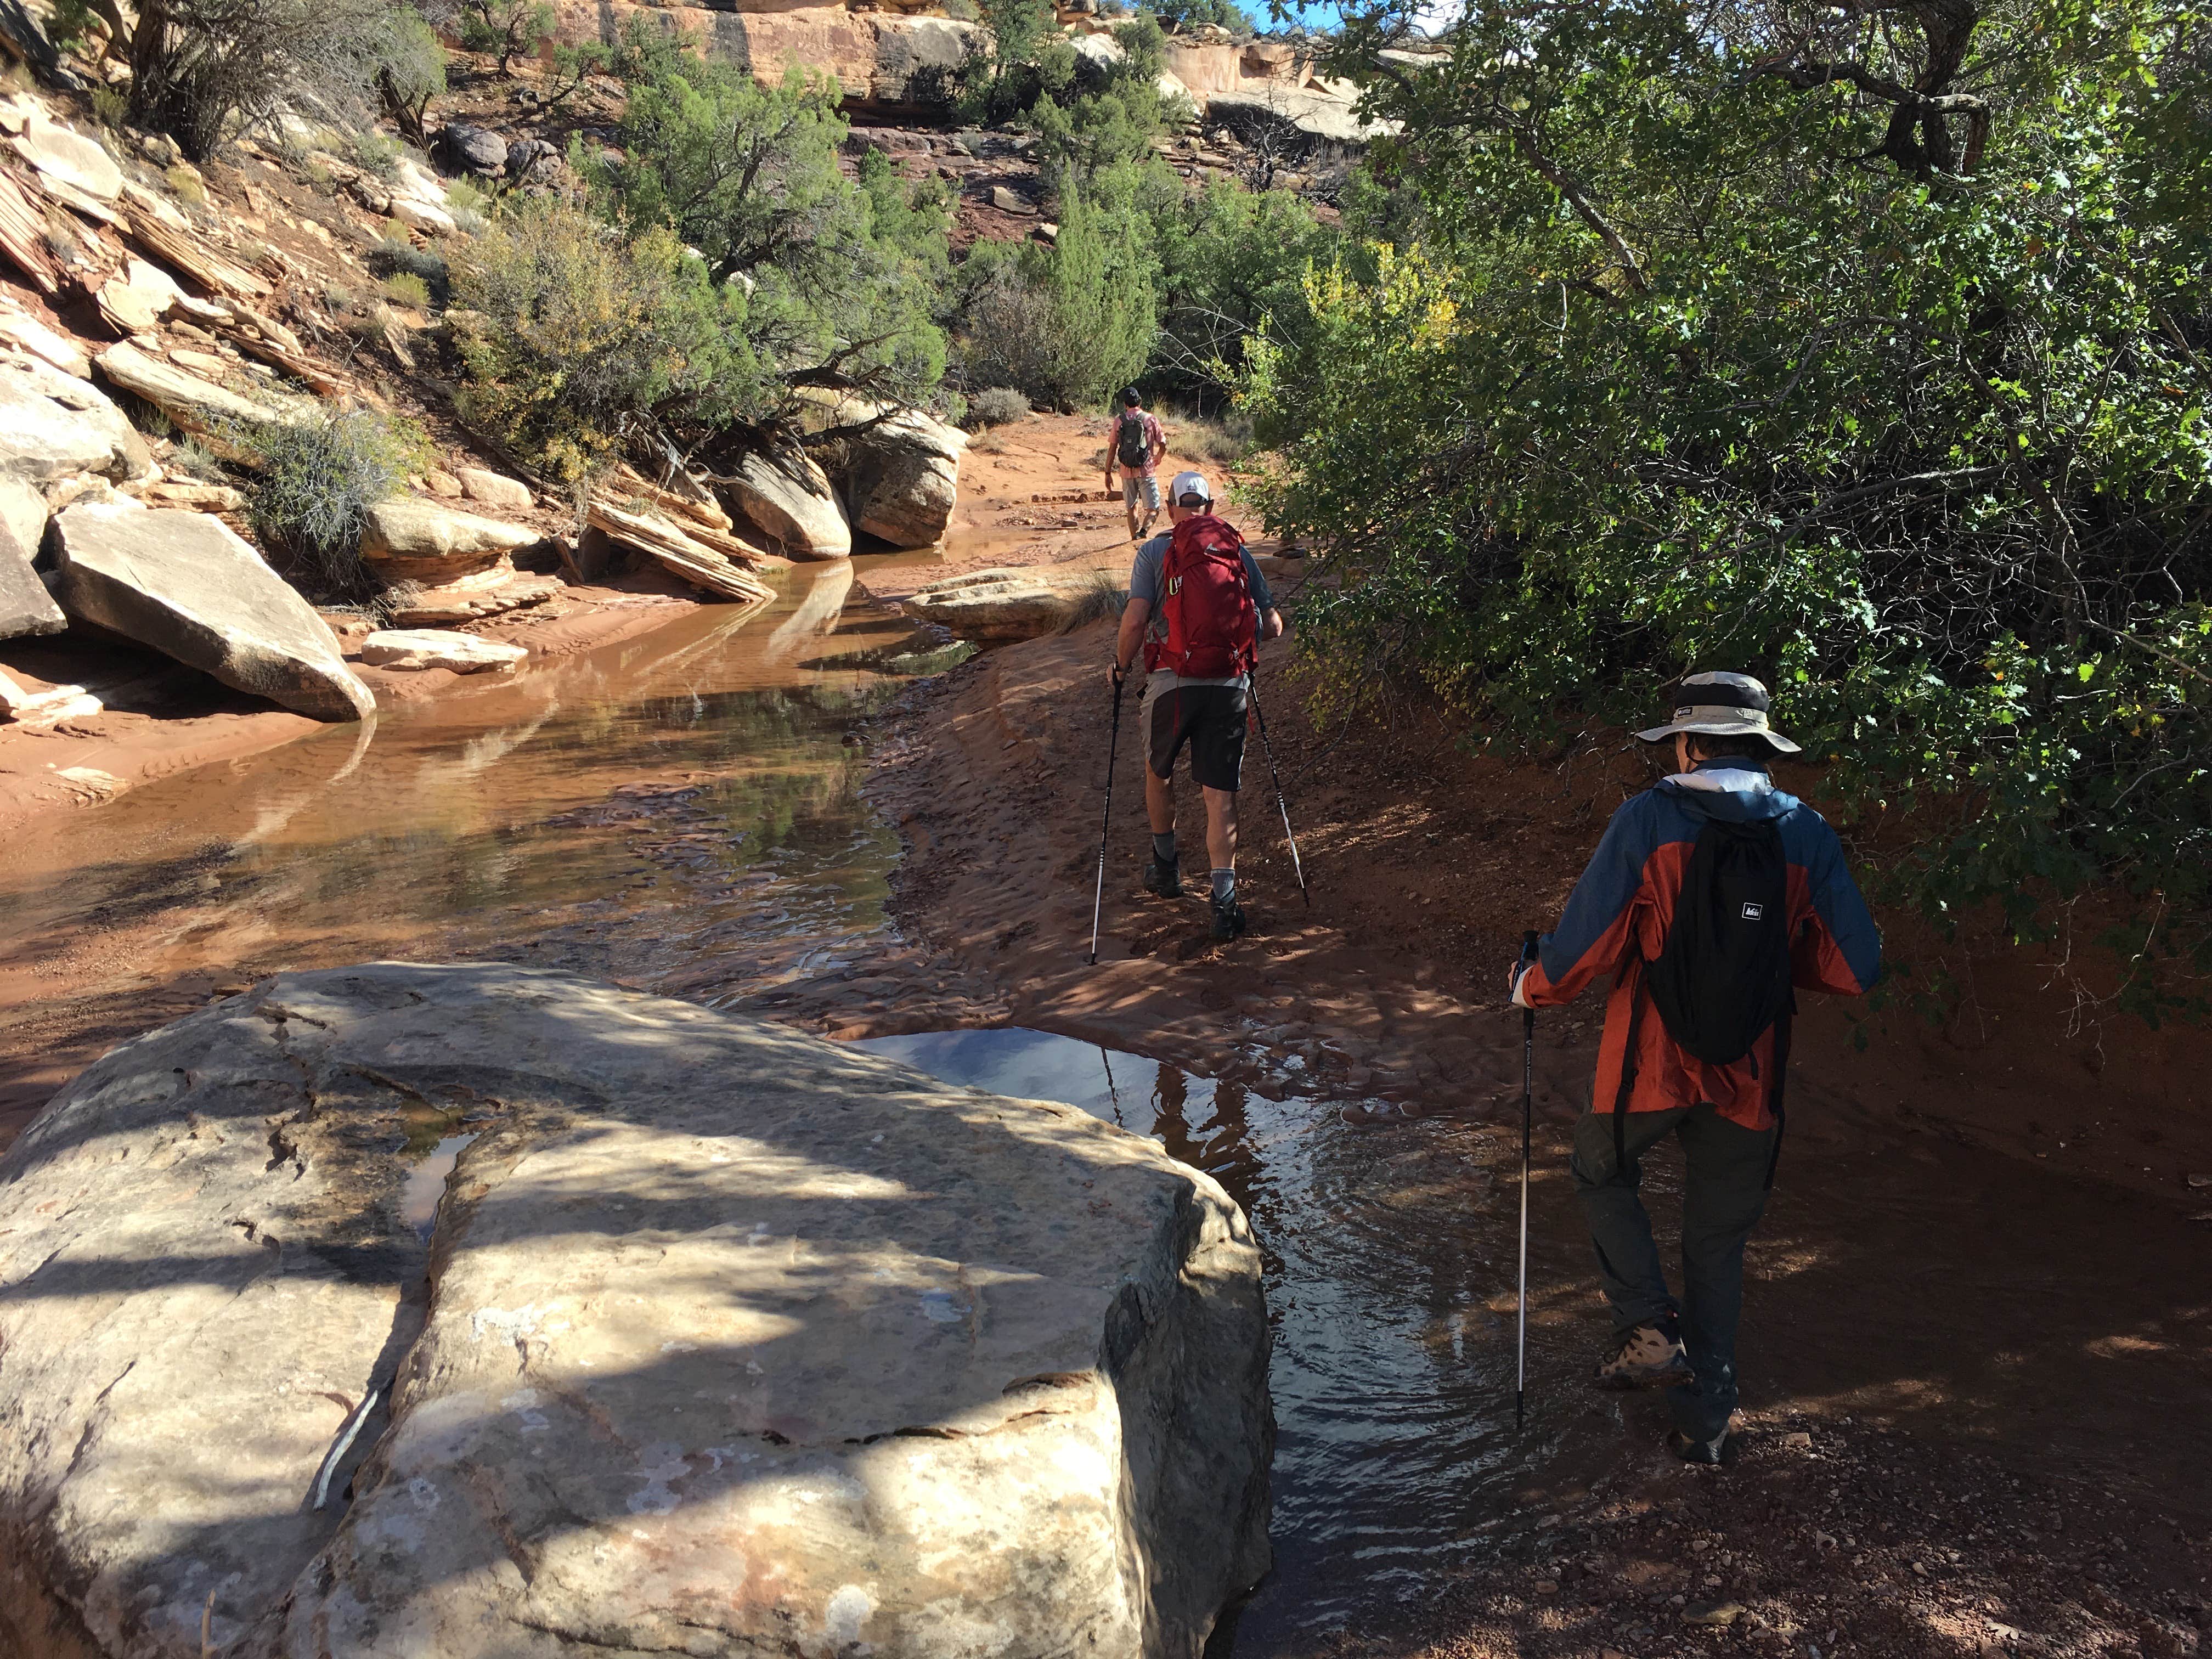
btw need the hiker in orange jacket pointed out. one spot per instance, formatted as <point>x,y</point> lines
<point>1727,1116</point>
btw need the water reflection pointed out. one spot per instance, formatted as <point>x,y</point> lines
<point>1393,1366</point>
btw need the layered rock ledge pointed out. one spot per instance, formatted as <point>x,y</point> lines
<point>726,1341</point>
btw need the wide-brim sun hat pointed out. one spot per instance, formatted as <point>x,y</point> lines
<point>1721,705</point>
<point>1189,483</point>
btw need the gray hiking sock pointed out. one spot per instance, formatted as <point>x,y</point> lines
<point>1225,887</point>
<point>1163,848</point>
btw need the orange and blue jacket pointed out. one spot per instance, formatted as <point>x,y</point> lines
<point>1617,917</point>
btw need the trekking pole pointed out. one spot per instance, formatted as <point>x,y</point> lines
<point>1528,1108</point>
<point>1106,822</point>
<point>1252,681</point>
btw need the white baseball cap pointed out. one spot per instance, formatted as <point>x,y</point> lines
<point>1189,483</point>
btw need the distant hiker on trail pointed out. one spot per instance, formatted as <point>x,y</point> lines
<point>1136,444</point>
<point>1712,895</point>
<point>1198,607</point>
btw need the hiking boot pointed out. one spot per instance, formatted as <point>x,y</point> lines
<point>1647,1357</point>
<point>1705,1452</point>
<point>1228,920</point>
<point>1166,879</point>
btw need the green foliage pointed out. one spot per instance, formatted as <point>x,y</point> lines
<point>1234,263</point>
<point>511,28</point>
<point>110,106</point>
<point>1024,58</point>
<point>1182,13</point>
<point>1662,373</point>
<point>576,340</point>
<point>314,484</point>
<point>373,152</point>
<point>839,281</point>
<point>1066,323</point>
<point>405,288</point>
<point>410,71</point>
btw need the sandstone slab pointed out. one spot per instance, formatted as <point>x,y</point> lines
<point>789,499</point>
<point>433,647</point>
<point>54,425</point>
<point>736,1342</point>
<point>29,334</point>
<point>26,607</point>
<point>495,489</point>
<point>1000,604</point>
<point>69,158</point>
<point>411,539</point>
<point>199,406</point>
<point>185,584</point>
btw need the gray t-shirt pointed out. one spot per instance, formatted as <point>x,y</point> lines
<point>1144,584</point>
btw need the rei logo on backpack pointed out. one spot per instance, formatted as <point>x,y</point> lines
<point>1132,444</point>
<point>1723,977</point>
<point>1212,625</point>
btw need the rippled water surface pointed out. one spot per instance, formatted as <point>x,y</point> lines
<point>1389,1274</point>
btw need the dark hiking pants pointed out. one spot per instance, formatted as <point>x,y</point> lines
<point>1723,1192</point>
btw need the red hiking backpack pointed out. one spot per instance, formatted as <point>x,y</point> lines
<point>1212,625</point>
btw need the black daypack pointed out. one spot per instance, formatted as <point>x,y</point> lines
<point>1132,446</point>
<point>1723,975</point>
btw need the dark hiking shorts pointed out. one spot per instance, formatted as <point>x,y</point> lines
<point>1210,719</point>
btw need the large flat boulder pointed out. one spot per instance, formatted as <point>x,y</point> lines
<point>1317,115</point>
<point>409,539</point>
<point>185,584</point>
<point>26,607</point>
<point>789,500</point>
<point>54,425</point>
<point>728,1341</point>
<point>903,479</point>
<point>1005,602</point>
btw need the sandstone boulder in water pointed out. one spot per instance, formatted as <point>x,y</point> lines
<point>185,584</point>
<point>789,499</point>
<point>728,1341</point>
<point>904,479</point>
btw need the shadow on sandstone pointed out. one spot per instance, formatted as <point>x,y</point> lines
<point>700,1290</point>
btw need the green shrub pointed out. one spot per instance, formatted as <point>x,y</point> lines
<point>110,106</point>
<point>411,71</point>
<point>510,28</point>
<point>185,182</point>
<point>315,481</point>
<point>403,287</point>
<point>838,277</point>
<point>1900,409</point>
<point>1066,323</point>
<point>996,407</point>
<point>961,11</point>
<point>574,338</point>
<point>374,153</point>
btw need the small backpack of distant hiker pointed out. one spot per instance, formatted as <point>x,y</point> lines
<point>1723,975</point>
<point>1131,443</point>
<point>1212,625</point>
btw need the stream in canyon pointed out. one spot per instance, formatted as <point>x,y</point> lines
<point>681,810</point>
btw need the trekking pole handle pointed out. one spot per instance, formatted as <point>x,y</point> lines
<point>1528,946</point>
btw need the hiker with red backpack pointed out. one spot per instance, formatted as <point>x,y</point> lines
<point>1137,444</point>
<point>1712,899</point>
<point>1198,608</point>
